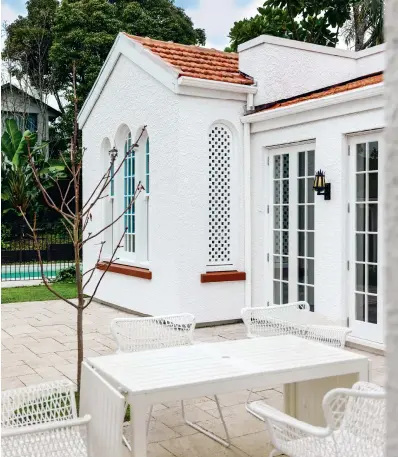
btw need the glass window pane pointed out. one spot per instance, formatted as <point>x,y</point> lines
<point>310,271</point>
<point>285,191</point>
<point>301,164</point>
<point>310,217</point>
<point>372,217</point>
<point>361,157</point>
<point>277,217</point>
<point>360,209</point>
<point>277,191</point>
<point>360,254</point>
<point>285,224</point>
<point>301,190</point>
<point>285,268</point>
<point>310,244</point>
<point>360,307</point>
<point>285,292</point>
<point>373,187</point>
<point>360,277</point>
<point>372,279</point>
<point>277,167</point>
<point>373,155</point>
<point>277,267</point>
<point>311,163</point>
<point>277,293</point>
<point>361,187</point>
<point>301,270</point>
<point>372,309</point>
<point>301,217</point>
<point>372,248</point>
<point>310,191</point>
<point>310,297</point>
<point>285,165</point>
<point>277,242</point>
<point>285,243</point>
<point>301,244</point>
<point>301,293</point>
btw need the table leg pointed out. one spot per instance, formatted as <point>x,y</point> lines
<point>138,418</point>
<point>303,400</point>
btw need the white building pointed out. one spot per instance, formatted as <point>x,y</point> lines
<point>229,217</point>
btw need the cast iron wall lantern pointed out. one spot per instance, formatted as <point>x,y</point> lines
<point>321,186</point>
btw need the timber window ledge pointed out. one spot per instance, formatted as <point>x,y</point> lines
<point>127,270</point>
<point>222,276</point>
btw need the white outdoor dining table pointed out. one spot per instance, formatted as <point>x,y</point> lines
<point>306,369</point>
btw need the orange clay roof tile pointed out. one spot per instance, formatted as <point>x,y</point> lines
<point>197,62</point>
<point>320,93</point>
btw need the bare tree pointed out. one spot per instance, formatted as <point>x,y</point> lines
<point>76,216</point>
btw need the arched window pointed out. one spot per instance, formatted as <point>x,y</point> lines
<point>129,186</point>
<point>147,166</point>
<point>220,147</point>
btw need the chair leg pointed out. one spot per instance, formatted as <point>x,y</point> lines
<point>149,420</point>
<point>249,410</point>
<point>225,443</point>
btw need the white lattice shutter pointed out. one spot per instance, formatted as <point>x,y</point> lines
<point>220,142</point>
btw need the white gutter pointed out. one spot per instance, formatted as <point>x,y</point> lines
<point>216,85</point>
<point>349,96</point>
<point>247,211</point>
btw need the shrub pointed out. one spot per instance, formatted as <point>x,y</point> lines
<point>66,275</point>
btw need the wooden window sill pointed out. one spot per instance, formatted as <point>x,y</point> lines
<point>222,276</point>
<point>127,270</point>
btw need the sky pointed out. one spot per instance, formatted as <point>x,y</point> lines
<point>215,16</point>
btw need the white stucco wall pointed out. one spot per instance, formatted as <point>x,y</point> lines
<point>331,217</point>
<point>178,212</point>
<point>284,68</point>
<point>134,98</point>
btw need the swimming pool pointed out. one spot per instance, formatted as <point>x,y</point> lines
<point>18,272</point>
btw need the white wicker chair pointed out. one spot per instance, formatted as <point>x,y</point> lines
<point>147,333</point>
<point>355,426</point>
<point>41,421</point>
<point>292,319</point>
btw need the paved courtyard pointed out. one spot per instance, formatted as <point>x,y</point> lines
<point>39,344</point>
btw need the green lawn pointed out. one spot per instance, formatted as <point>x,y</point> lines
<point>37,293</point>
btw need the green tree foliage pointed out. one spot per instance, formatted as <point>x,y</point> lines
<point>365,28</point>
<point>313,21</point>
<point>19,191</point>
<point>27,46</point>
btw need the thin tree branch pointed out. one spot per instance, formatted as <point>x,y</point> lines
<point>93,269</point>
<point>138,190</point>
<point>37,247</point>
<point>106,270</point>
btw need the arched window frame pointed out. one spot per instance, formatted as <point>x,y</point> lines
<point>229,263</point>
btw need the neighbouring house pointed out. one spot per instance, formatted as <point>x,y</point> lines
<point>229,217</point>
<point>27,109</point>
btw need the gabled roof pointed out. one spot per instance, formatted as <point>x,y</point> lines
<point>352,84</point>
<point>197,62</point>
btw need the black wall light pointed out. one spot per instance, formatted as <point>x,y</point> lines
<point>321,186</point>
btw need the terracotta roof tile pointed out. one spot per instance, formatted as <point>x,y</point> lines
<point>325,92</point>
<point>197,62</point>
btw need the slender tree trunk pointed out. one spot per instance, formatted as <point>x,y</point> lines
<point>359,27</point>
<point>390,239</point>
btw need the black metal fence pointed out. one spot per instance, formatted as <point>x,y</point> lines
<point>19,256</point>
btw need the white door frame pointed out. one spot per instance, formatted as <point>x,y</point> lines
<point>363,329</point>
<point>270,152</point>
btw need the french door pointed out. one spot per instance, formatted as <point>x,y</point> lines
<point>291,227</point>
<point>365,291</point>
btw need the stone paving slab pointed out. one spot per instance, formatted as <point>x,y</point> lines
<point>39,344</point>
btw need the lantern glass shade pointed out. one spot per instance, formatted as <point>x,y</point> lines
<point>319,181</point>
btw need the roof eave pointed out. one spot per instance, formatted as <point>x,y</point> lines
<point>330,100</point>
<point>216,85</point>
